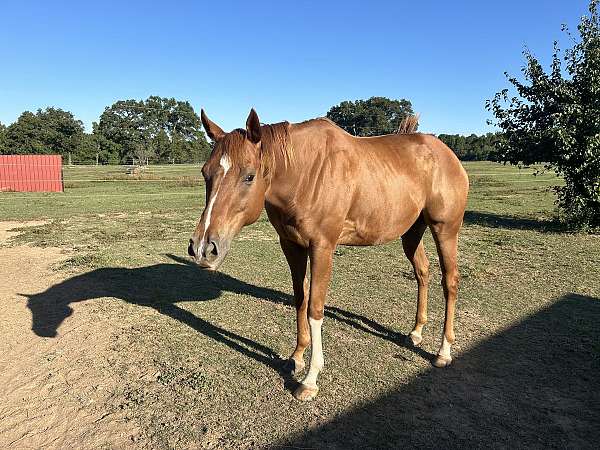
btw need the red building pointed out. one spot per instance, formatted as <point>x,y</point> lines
<point>31,173</point>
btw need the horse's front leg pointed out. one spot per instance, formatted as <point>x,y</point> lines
<point>296,257</point>
<point>321,261</point>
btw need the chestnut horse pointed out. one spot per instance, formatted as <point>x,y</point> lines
<point>323,187</point>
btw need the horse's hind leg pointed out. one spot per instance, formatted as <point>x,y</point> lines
<point>412,243</point>
<point>446,239</point>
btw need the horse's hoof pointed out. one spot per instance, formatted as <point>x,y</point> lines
<point>442,361</point>
<point>305,393</point>
<point>414,339</point>
<point>293,367</point>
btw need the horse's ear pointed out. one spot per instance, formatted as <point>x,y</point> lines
<point>212,129</point>
<point>253,127</point>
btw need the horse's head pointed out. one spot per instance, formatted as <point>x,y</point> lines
<point>235,190</point>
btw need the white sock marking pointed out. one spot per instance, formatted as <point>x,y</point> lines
<point>445,348</point>
<point>316,356</point>
<point>225,163</point>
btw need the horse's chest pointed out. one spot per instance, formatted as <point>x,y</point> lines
<point>286,225</point>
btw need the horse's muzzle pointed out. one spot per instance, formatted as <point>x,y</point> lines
<point>210,253</point>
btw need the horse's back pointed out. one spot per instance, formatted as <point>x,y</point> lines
<point>410,174</point>
<point>418,156</point>
<point>378,186</point>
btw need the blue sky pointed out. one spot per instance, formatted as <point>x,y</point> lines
<point>290,60</point>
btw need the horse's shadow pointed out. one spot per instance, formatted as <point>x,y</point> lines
<point>161,286</point>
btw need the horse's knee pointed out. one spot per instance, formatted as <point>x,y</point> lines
<point>450,281</point>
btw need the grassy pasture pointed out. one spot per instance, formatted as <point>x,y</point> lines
<point>197,355</point>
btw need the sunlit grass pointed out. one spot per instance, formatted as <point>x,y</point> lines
<point>212,340</point>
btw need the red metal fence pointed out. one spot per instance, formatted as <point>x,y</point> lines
<point>31,173</point>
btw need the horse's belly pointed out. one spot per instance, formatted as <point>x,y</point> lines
<point>373,232</point>
<point>382,210</point>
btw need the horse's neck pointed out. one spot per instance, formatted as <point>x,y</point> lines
<point>288,175</point>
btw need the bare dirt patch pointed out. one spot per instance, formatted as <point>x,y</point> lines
<point>9,229</point>
<point>55,390</point>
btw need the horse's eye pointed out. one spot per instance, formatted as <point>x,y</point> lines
<point>248,178</point>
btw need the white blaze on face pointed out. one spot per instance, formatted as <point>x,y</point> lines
<point>225,164</point>
<point>316,356</point>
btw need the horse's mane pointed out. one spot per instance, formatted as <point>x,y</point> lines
<point>275,144</point>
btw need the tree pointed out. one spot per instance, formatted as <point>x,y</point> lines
<point>162,129</point>
<point>473,147</point>
<point>108,151</point>
<point>47,131</point>
<point>2,138</point>
<point>555,119</point>
<point>90,151</point>
<point>375,116</point>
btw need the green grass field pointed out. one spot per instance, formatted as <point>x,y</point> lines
<point>197,355</point>
<point>108,189</point>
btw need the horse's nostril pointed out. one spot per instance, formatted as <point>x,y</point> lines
<point>211,249</point>
<point>191,251</point>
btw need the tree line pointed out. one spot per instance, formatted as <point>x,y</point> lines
<point>165,130</point>
<point>473,147</point>
<point>162,130</point>
<point>543,117</point>
<point>381,115</point>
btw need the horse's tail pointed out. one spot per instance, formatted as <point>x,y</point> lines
<point>409,124</point>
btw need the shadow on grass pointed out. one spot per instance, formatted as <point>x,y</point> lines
<point>161,286</point>
<point>492,220</point>
<point>534,385</point>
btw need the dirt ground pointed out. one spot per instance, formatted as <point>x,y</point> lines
<point>54,391</point>
<point>109,340</point>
